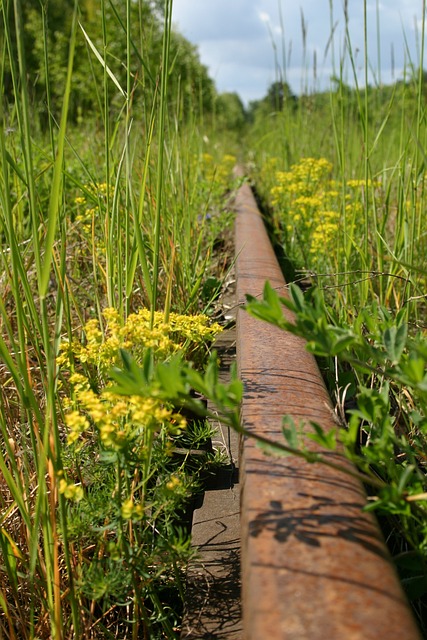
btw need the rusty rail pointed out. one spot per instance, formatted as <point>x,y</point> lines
<point>314,565</point>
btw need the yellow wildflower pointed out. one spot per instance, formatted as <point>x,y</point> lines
<point>173,483</point>
<point>70,490</point>
<point>77,424</point>
<point>131,510</point>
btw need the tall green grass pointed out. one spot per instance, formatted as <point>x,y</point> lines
<point>110,212</point>
<point>373,134</point>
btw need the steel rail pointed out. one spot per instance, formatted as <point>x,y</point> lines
<point>314,565</point>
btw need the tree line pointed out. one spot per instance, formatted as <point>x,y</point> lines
<point>46,27</point>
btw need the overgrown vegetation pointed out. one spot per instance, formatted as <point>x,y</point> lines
<point>345,185</point>
<point>116,155</point>
<point>112,202</point>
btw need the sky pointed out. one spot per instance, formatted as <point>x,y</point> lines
<point>248,44</point>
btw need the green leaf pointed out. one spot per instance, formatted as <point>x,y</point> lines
<point>148,365</point>
<point>211,288</point>
<point>405,477</point>
<point>102,62</point>
<point>9,552</point>
<point>268,309</point>
<point>413,367</point>
<point>211,374</point>
<point>343,339</point>
<point>57,178</point>
<point>290,432</point>
<point>327,439</point>
<point>235,391</point>
<point>394,340</point>
<point>270,449</point>
<point>131,380</point>
<point>297,297</point>
<point>170,377</point>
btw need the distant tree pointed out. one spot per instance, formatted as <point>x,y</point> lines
<point>279,97</point>
<point>158,5</point>
<point>188,77</point>
<point>230,111</point>
<point>253,107</point>
<point>279,94</point>
<point>339,86</point>
<point>190,84</point>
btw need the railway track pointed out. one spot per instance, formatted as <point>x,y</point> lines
<point>313,564</point>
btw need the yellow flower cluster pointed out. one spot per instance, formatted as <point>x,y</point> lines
<point>70,490</point>
<point>131,511</point>
<point>88,206</point>
<point>305,200</point>
<point>120,421</point>
<point>218,173</point>
<point>363,184</point>
<point>307,178</point>
<point>324,234</point>
<point>310,207</point>
<point>101,345</point>
<point>173,483</point>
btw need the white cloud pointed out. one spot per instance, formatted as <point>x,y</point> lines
<point>237,39</point>
<point>215,19</point>
<point>264,17</point>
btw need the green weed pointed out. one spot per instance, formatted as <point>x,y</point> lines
<point>107,230</point>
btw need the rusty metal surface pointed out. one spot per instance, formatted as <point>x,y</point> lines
<point>314,565</point>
